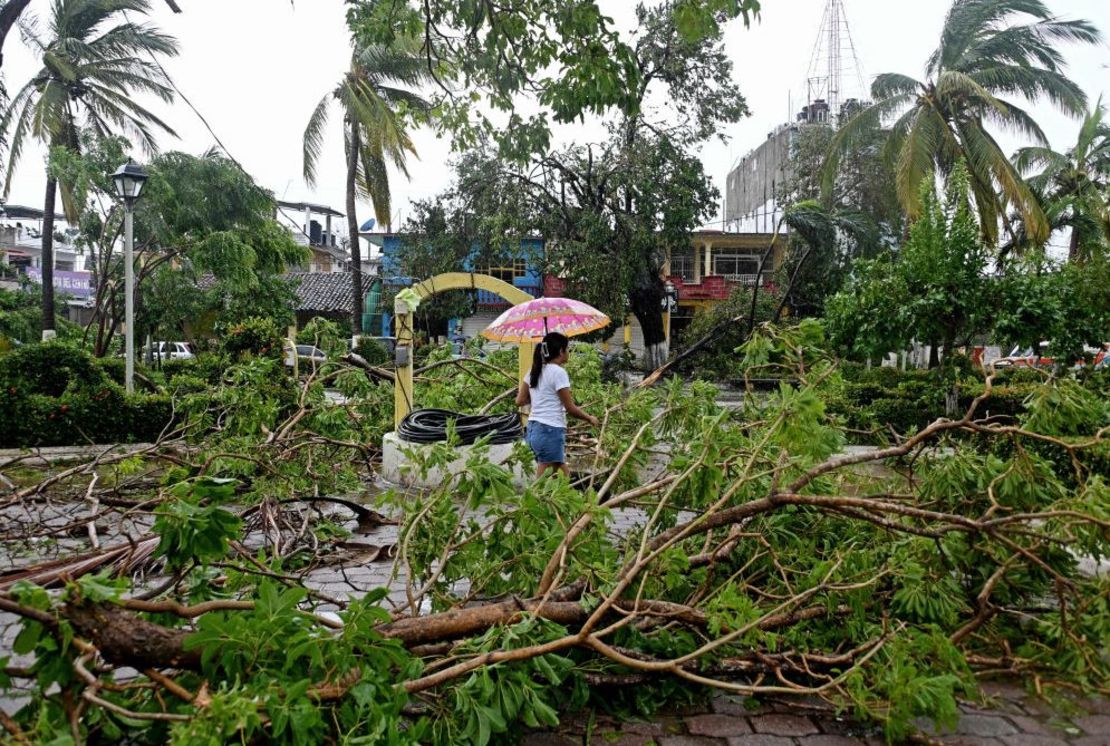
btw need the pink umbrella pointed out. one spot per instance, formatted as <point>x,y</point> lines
<point>530,321</point>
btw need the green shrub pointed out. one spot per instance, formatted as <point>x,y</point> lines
<point>115,368</point>
<point>255,336</point>
<point>55,394</point>
<point>82,416</point>
<point>48,368</point>
<point>210,367</point>
<point>179,366</point>
<point>372,351</point>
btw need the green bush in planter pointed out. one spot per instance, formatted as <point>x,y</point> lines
<point>48,368</point>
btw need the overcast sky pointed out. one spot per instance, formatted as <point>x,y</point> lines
<point>257,68</point>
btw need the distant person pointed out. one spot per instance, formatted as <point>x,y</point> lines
<point>547,389</point>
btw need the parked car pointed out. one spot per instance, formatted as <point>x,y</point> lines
<point>1025,358</point>
<point>1097,358</point>
<point>303,355</point>
<point>167,351</point>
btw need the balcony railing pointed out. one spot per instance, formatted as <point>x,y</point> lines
<point>746,279</point>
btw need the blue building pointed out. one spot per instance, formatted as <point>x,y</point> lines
<point>524,271</point>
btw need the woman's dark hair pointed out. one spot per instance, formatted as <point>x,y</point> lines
<point>550,348</point>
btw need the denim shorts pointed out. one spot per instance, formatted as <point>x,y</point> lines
<point>547,442</point>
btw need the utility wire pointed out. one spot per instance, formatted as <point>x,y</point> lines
<point>212,132</point>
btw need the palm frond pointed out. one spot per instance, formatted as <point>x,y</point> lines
<point>1039,156</point>
<point>314,138</point>
<point>986,158</point>
<point>887,85</point>
<point>1033,84</point>
<point>374,181</point>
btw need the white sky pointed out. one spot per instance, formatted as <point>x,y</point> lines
<point>257,68</point>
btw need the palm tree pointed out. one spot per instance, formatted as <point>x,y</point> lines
<point>93,65</point>
<point>374,133</point>
<point>990,51</point>
<point>1075,183</point>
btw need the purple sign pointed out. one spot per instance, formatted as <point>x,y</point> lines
<point>77,284</point>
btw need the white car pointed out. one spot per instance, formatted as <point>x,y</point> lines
<point>308,355</point>
<point>168,351</point>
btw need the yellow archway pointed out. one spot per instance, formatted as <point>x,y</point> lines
<point>402,387</point>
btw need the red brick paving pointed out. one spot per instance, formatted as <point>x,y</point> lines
<point>1011,718</point>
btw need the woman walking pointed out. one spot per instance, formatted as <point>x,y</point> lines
<point>547,389</point>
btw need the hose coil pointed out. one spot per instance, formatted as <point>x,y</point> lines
<point>430,426</point>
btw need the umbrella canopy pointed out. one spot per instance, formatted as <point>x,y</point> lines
<point>530,321</point>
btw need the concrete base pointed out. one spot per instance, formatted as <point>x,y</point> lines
<point>396,465</point>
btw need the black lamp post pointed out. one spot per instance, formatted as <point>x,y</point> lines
<point>129,180</point>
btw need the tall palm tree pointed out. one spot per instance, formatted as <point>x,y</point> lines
<point>1075,183</point>
<point>374,133</point>
<point>93,64</point>
<point>990,51</point>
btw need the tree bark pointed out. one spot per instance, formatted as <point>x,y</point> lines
<point>646,302</point>
<point>353,142</point>
<point>1073,245</point>
<point>48,256</point>
<point>126,639</point>
<point>9,14</point>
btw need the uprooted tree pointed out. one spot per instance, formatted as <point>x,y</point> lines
<point>700,550</point>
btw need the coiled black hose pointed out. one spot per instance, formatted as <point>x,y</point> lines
<point>430,426</point>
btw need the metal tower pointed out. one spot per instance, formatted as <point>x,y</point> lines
<point>835,73</point>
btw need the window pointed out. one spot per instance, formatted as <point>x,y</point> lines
<point>684,264</point>
<point>736,267</point>
<point>509,270</point>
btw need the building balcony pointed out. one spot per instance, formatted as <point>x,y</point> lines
<point>714,287</point>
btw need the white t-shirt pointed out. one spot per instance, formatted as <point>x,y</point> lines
<point>547,407</point>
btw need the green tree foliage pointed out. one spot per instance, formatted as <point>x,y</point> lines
<point>439,237</point>
<point>611,211</point>
<point>932,293</point>
<point>990,52</point>
<point>1067,306</point>
<point>201,260</point>
<point>1074,185</point>
<point>567,55</point>
<point>234,244</point>
<point>95,63</point>
<point>21,318</point>
<point>863,187</point>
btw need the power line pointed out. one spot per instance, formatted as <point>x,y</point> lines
<point>212,132</point>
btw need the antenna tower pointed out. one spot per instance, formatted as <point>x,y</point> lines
<point>835,73</point>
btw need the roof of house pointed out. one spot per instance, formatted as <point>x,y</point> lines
<point>317,292</point>
<point>324,292</point>
<point>15,212</point>
<point>316,209</point>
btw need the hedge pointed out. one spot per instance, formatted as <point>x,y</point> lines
<point>54,394</point>
<point>879,399</point>
<point>81,417</point>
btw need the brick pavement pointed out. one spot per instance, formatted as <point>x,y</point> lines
<point>1008,716</point>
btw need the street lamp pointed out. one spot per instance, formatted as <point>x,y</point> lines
<point>129,180</point>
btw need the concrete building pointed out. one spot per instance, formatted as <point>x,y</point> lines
<point>21,258</point>
<point>323,230</point>
<point>715,264</point>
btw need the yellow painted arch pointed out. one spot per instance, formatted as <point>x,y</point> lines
<point>403,388</point>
